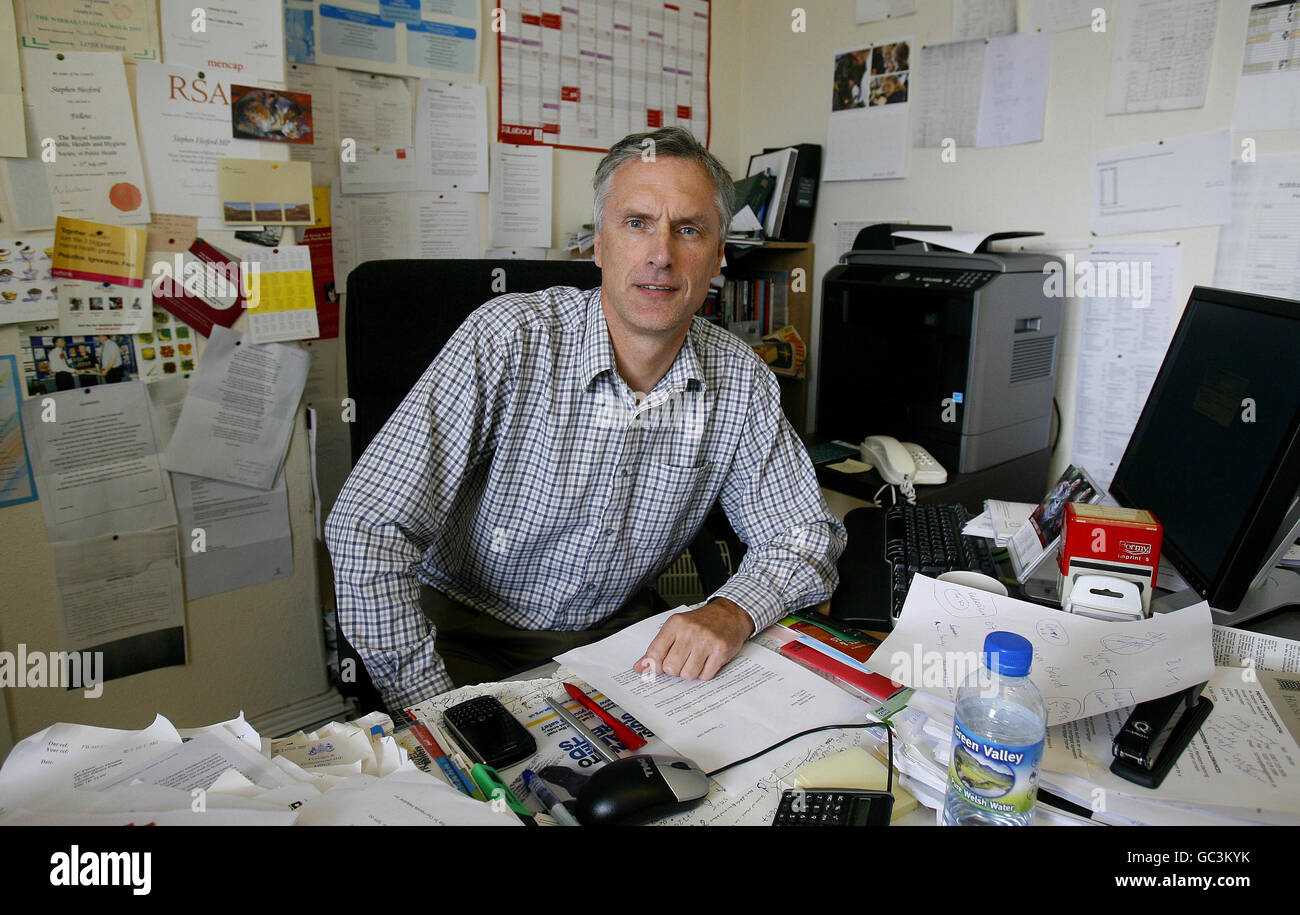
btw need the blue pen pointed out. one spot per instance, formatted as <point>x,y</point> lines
<point>553,805</point>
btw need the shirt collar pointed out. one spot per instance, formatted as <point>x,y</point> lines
<point>597,354</point>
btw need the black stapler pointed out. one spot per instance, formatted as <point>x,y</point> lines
<point>1156,734</point>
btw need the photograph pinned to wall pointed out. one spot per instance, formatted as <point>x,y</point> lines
<point>53,361</point>
<point>867,131</point>
<point>270,114</point>
<point>258,191</point>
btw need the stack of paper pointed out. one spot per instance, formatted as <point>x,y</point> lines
<point>999,521</point>
<point>1237,769</point>
<point>225,774</point>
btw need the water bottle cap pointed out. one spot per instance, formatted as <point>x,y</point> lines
<point>1008,654</point>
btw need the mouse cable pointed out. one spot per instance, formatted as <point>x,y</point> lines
<point>889,735</point>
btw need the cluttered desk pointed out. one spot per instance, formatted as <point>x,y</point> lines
<point>1115,699</point>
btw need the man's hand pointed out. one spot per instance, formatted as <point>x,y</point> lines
<point>696,644</point>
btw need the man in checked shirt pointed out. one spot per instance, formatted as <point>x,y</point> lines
<point>526,494</point>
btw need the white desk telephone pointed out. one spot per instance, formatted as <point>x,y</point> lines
<point>897,461</point>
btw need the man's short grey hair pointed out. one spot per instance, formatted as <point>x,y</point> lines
<point>673,143</point>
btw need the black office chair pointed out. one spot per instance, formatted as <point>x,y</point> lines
<point>423,302</point>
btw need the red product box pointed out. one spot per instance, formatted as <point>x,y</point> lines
<point>1108,540</point>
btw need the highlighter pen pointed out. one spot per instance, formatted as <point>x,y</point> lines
<point>554,806</point>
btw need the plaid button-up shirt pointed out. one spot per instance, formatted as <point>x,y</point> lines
<point>521,476</point>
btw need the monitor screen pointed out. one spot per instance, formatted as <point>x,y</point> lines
<point>1214,453</point>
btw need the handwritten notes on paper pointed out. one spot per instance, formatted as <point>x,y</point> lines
<point>1082,666</point>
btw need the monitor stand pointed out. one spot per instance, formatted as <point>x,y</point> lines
<point>1280,588</point>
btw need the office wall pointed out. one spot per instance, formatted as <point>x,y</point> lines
<point>261,649</point>
<point>1043,186</point>
<point>572,195</point>
<point>258,649</point>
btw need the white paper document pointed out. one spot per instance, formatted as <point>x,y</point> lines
<point>185,128</point>
<point>244,534</point>
<point>1238,647</point>
<point>119,587</point>
<point>1160,60</point>
<point>519,202</point>
<point>982,18</point>
<point>240,411</point>
<point>1014,97</point>
<point>405,798</point>
<point>451,136</point>
<point>1259,248</point>
<point>1082,666</point>
<point>244,37</point>
<point>83,104</point>
<point>25,188</point>
<point>1268,92</point>
<point>323,151</point>
<point>97,463</point>
<point>421,224</point>
<point>1129,303</point>
<point>14,143</point>
<point>871,92</point>
<point>756,700</point>
<point>67,756</point>
<point>947,91</point>
<point>198,763</point>
<point>380,169</point>
<point>1062,15</point>
<point>1243,756</point>
<point>1170,184</point>
<point>374,110</point>
<point>954,241</point>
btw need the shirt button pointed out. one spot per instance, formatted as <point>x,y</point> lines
<point>622,473</point>
<point>591,587</point>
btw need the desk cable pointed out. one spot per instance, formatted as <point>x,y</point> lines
<point>889,734</point>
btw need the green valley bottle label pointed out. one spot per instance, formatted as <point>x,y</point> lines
<point>999,778</point>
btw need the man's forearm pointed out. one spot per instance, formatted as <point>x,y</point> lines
<point>793,571</point>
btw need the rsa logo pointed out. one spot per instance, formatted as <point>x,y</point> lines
<point>1135,549</point>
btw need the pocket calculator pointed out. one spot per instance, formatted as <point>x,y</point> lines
<point>834,807</point>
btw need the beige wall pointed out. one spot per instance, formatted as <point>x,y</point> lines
<point>1041,186</point>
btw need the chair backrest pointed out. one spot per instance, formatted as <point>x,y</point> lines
<point>401,312</point>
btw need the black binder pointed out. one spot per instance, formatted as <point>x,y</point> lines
<point>802,202</point>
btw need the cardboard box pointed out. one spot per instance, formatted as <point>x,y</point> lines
<point>1108,540</point>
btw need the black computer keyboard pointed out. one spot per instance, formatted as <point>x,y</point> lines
<point>928,539</point>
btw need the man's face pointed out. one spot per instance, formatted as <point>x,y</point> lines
<point>659,244</point>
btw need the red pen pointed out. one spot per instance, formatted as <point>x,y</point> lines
<point>628,737</point>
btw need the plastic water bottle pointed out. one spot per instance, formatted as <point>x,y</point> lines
<point>997,739</point>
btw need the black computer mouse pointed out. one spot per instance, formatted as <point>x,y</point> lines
<point>638,789</point>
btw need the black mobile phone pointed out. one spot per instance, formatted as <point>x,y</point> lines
<point>488,732</point>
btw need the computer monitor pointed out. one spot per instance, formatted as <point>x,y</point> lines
<point>1216,452</point>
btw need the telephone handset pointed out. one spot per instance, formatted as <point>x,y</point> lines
<point>897,461</point>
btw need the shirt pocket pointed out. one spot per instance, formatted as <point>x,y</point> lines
<point>668,505</point>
